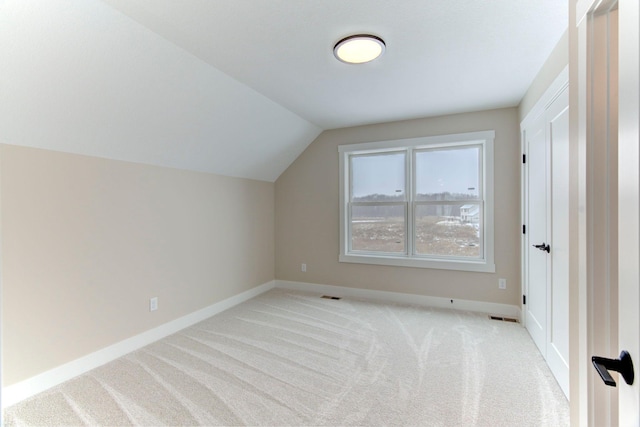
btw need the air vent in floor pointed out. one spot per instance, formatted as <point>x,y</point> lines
<point>504,319</point>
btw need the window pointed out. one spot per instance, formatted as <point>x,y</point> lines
<point>423,202</point>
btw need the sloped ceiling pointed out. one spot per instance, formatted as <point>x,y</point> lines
<point>80,77</point>
<point>241,87</point>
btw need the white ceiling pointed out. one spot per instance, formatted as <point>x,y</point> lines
<point>241,87</point>
<point>442,56</point>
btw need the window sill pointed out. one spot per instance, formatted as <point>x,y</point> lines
<point>475,266</point>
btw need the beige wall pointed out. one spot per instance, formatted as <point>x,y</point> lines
<point>307,227</point>
<point>86,242</point>
<point>556,62</point>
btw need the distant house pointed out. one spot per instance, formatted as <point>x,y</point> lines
<point>470,213</point>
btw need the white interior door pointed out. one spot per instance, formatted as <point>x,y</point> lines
<point>557,131</point>
<point>546,244</point>
<point>629,206</point>
<point>537,212</point>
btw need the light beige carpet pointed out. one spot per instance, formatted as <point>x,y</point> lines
<point>288,358</point>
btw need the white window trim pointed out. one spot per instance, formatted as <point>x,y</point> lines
<point>484,138</point>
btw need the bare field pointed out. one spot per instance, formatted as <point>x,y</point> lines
<point>434,236</point>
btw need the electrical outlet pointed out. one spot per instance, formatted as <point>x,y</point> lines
<point>304,268</point>
<point>502,283</point>
<point>153,304</point>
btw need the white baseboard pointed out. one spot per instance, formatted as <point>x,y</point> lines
<point>502,310</point>
<point>44,381</point>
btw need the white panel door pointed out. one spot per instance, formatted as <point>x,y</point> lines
<point>557,130</point>
<point>537,213</point>
<point>546,240</point>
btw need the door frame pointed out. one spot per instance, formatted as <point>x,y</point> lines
<point>589,408</point>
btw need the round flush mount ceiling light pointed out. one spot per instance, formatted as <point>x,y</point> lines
<point>359,49</point>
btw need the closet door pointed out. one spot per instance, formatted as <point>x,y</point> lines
<point>546,238</point>
<point>536,256</point>
<point>557,130</point>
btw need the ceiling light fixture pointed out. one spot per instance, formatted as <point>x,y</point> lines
<point>359,49</point>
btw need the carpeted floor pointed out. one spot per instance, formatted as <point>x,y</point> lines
<point>288,358</point>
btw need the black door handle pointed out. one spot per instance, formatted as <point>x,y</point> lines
<point>543,247</point>
<point>622,364</point>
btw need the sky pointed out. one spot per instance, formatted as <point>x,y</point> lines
<point>450,170</point>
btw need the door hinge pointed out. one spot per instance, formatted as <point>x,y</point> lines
<point>524,299</point>
<point>524,158</point>
<point>524,229</point>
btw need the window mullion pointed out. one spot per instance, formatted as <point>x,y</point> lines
<point>481,172</point>
<point>348,226</point>
<point>482,232</point>
<point>410,211</point>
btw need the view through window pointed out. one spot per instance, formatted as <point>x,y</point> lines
<point>421,204</point>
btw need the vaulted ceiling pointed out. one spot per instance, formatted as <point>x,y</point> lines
<point>241,87</point>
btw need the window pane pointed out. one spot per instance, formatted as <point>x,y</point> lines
<point>448,174</point>
<point>448,230</point>
<point>378,178</point>
<point>379,228</point>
